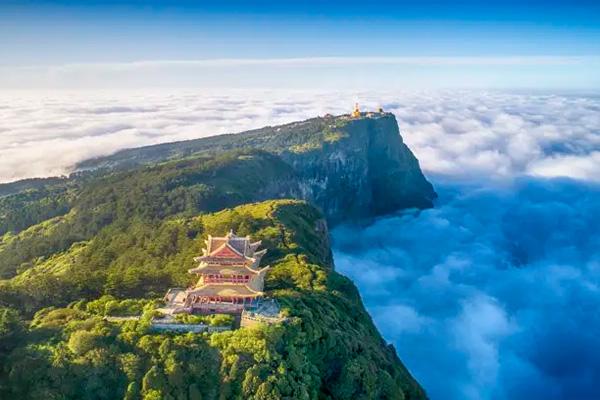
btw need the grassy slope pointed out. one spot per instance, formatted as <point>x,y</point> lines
<point>329,349</point>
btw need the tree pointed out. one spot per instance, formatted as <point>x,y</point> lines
<point>154,381</point>
<point>194,392</point>
<point>154,395</point>
<point>81,342</point>
<point>133,392</point>
<point>12,329</point>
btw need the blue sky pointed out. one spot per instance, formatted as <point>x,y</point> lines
<point>41,33</point>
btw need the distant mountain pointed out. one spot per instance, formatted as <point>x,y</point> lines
<point>29,184</point>
<point>125,228</point>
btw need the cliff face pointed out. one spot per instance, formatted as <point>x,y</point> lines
<point>364,170</point>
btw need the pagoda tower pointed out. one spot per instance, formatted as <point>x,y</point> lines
<point>230,279</point>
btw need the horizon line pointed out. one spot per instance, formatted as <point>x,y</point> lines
<point>330,60</point>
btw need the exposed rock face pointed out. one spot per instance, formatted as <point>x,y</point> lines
<point>368,171</point>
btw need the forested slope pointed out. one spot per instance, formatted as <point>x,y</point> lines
<point>143,196</point>
<point>329,348</point>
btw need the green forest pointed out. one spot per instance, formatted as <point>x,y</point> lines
<point>75,251</point>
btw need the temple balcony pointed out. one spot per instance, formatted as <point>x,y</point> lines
<point>239,279</point>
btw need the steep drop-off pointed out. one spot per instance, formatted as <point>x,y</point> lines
<point>361,169</point>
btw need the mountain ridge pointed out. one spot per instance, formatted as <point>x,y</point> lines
<point>351,168</point>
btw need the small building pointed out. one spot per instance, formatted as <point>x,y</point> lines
<point>267,312</point>
<point>230,279</point>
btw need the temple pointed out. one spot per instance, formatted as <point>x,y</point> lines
<point>230,279</point>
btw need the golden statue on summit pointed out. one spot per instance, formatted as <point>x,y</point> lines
<point>356,112</point>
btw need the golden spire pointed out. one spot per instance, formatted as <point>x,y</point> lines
<point>356,112</point>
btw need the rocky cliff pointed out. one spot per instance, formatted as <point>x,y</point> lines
<point>361,169</point>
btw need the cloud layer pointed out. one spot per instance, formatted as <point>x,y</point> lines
<point>45,135</point>
<point>491,295</point>
<point>503,135</point>
<point>456,133</point>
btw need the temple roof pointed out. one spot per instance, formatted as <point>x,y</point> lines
<point>224,290</point>
<point>205,268</point>
<point>239,244</point>
<point>227,250</point>
<point>230,250</point>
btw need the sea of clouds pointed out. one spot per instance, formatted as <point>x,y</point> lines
<point>493,294</point>
<point>456,133</point>
<point>46,134</point>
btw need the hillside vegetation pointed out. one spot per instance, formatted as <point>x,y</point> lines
<point>328,349</point>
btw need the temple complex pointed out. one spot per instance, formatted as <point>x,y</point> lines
<point>230,279</point>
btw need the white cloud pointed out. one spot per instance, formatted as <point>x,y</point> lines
<point>464,134</point>
<point>402,318</point>
<point>322,61</point>
<point>586,167</point>
<point>501,135</point>
<point>46,134</point>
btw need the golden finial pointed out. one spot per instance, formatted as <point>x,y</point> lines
<point>356,112</point>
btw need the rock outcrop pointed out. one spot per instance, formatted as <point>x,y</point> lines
<point>366,171</point>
